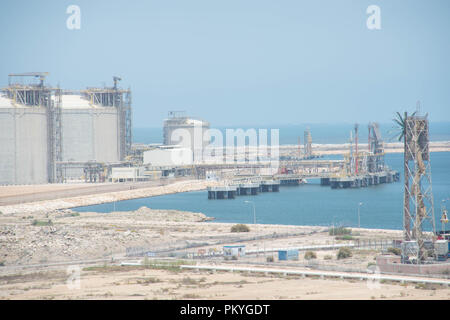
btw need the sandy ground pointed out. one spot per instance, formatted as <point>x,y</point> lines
<point>137,283</point>
<point>64,235</point>
<point>85,235</point>
<point>74,239</point>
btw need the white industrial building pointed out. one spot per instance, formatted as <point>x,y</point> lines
<point>168,156</point>
<point>123,174</point>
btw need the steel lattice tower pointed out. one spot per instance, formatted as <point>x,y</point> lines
<point>418,203</point>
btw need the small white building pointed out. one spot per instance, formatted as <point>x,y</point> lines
<point>122,174</point>
<point>234,251</point>
<point>166,156</point>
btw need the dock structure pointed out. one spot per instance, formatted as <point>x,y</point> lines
<point>289,179</point>
<point>290,182</point>
<point>247,189</point>
<point>270,186</point>
<point>243,189</point>
<point>361,180</point>
<point>222,192</point>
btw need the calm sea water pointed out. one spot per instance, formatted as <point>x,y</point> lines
<point>309,204</point>
<point>321,133</point>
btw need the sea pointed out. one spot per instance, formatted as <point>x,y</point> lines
<point>335,133</point>
<point>309,204</point>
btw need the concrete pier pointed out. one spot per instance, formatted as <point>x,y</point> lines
<point>223,192</point>
<point>244,189</point>
<point>290,182</point>
<point>363,180</point>
<point>270,186</point>
<point>247,189</point>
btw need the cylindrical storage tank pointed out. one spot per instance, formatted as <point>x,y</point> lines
<point>23,144</point>
<point>188,133</point>
<point>89,133</point>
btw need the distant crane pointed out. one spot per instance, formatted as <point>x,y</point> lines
<point>116,79</point>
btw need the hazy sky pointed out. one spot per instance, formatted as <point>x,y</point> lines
<point>242,62</point>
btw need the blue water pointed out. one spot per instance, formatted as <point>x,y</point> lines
<point>309,204</point>
<point>321,133</point>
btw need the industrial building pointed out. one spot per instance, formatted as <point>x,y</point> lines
<point>186,132</point>
<point>123,174</point>
<point>168,156</point>
<point>50,135</point>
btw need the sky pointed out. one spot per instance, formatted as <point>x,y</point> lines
<point>242,62</point>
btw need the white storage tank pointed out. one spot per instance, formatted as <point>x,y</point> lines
<point>187,132</point>
<point>23,143</point>
<point>89,132</point>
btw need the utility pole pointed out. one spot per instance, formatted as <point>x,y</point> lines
<point>359,218</point>
<point>356,149</point>
<point>254,223</point>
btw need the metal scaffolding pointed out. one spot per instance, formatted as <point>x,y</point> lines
<point>54,138</point>
<point>375,157</point>
<point>418,206</point>
<point>120,99</point>
<point>308,144</point>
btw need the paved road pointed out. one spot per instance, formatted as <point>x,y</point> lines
<point>322,274</point>
<point>85,190</point>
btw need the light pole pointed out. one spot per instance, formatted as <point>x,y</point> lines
<point>254,210</point>
<point>444,217</point>
<point>359,219</point>
<point>254,223</point>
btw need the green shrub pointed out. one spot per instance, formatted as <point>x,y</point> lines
<point>42,223</point>
<point>344,237</point>
<point>269,259</point>
<point>73,214</point>
<point>339,231</point>
<point>344,253</point>
<point>396,251</point>
<point>240,228</point>
<point>327,257</point>
<point>310,255</point>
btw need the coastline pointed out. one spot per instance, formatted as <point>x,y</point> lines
<point>135,191</point>
<point>87,200</point>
